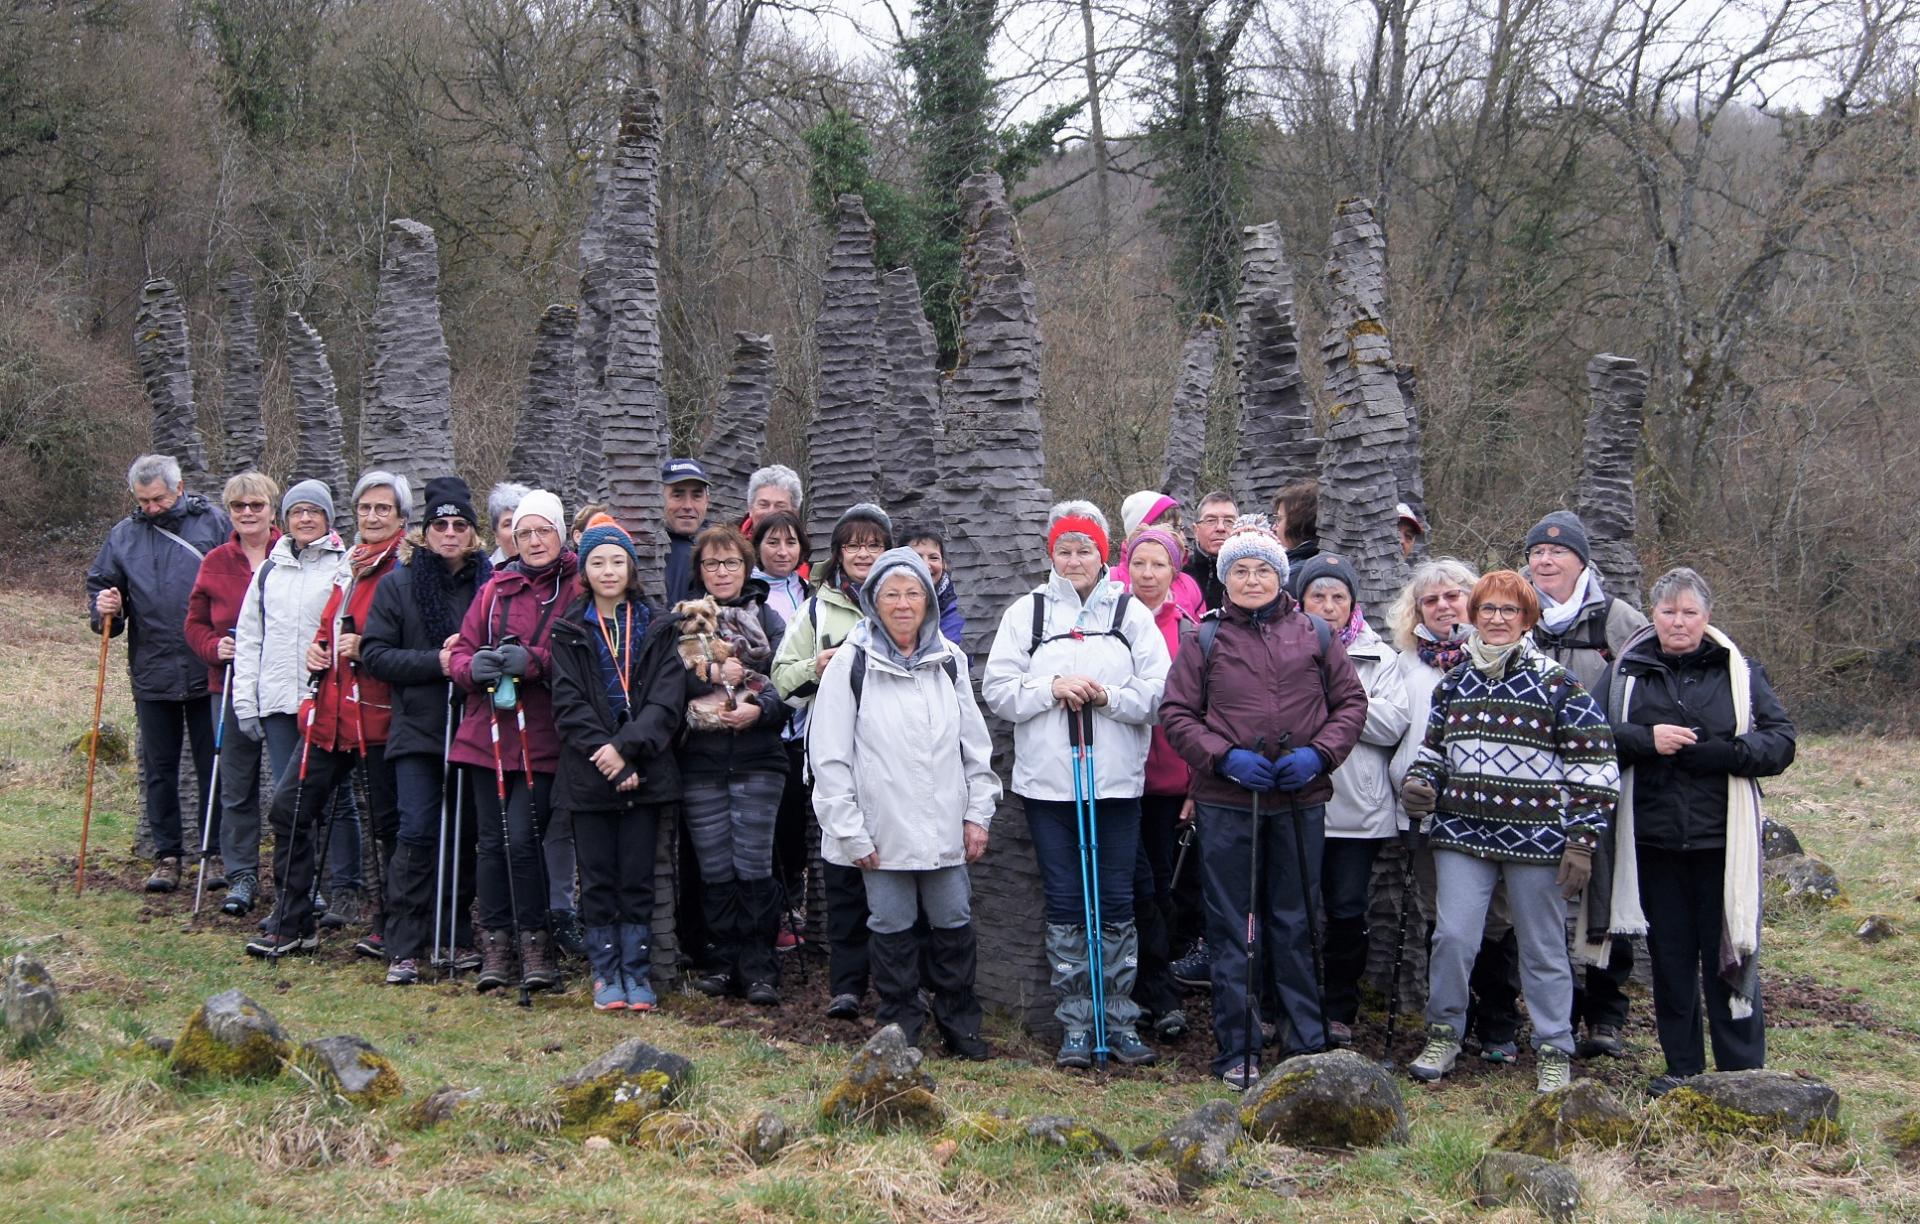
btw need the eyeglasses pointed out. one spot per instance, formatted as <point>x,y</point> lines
<point>1428,601</point>
<point>448,525</point>
<point>528,534</point>
<point>251,507</point>
<point>1218,520</point>
<point>306,510</point>
<point>864,548</point>
<point>730,565</point>
<point>376,509</point>
<point>1500,611</point>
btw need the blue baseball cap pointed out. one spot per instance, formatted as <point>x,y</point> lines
<point>680,471</point>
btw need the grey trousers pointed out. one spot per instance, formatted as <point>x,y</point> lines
<point>1465,887</point>
<point>895,899</point>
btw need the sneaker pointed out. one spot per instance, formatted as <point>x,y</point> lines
<point>788,939</point>
<point>241,894</point>
<point>373,946</point>
<point>272,947</point>
<point>1661,1085</point>
<point>403,972</point>
<point>1076,1050</point>
<point>1339,1036</point>
<point>466,960</point>
<point>1195,969</point>
<point>640,996</point>
<point>609,995</point>
<point>1172,1026</point>
<point>1501,1053</point>
<point>1441,1052</point>
<point>844,1007</point>
<point>1241,1075</point>
<point>762,994</point>
<point>1556,1069</point>
<point>1129,1051</point>
<point>344,910</point>
<point>165,877</point>
<point>1602,1040</point>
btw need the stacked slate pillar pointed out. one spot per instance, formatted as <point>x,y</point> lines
<point>1617,392</point>
<point>739,437</point>
<point>853,375</point>
<point>319,451</point>
<point>1366,415</point>
<point>1278,444</point>
<point>165,360</point>
<point>908,437</point>
<point>1187,425</point>
<point>542,455</point>
<point>406,425</point>
<point>246,435</point>
<point>1406,467</point>
<point>994,500</point>
<point>586,472</point>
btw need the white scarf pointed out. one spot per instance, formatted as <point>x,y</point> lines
<point>1740,882</point>
<point>1492,660</point>
<point>1557,616</point>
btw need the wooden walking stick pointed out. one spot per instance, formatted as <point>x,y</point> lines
<point>93,753</point>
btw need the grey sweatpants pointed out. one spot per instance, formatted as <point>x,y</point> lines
<point>895,899</point>
<point>1464,885</point>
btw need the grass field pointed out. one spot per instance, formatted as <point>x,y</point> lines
<point>91,1128</point>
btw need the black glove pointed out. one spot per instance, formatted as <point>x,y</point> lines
<point>514,659</point>
<point>1709,756</point>
<point>488,666</point>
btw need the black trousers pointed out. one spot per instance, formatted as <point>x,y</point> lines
<point>1599,993</point>
<point>162,724</point>
<point>847,964</point>
<point>299,810</point>
<point>616,853</point>
<point>1154,988</point>
<point>413,875</point>
<point>526,824</point>
<point>1680,892</point>
<point>790,850</point>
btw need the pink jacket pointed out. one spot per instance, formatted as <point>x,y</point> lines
<point>1185,593</point>
<point>1167,773</point>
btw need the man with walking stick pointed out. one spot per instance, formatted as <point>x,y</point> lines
<point>1263,705</point>
<point>139,583</point>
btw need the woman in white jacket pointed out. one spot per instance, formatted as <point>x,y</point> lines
<point>904,789</point>
<point>1364,813</point>
<point>1082,641</point>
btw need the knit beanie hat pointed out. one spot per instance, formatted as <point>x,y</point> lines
<point>309,492</point>
<point>601,529</point>
<point>449,497</point>
<point>1325,565</point>
<point>540,504</point>
<point>1252,537</point>
<point>870,513</point>
<point>1145,506</point>
<point>1562,527</point>
<point>1176,552</point>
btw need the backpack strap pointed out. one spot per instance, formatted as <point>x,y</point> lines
<point>266,567</point>
<point>1113,629</point>
<point>1039,621</point>
<point>857,678</point>
<point>1210,630</point>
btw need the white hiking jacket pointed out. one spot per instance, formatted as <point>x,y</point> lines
<point>272,635</point>
<point>1365,800</point>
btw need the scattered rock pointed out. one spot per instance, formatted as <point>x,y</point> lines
<point>765,1137</point>
<point>30,1001</point>
<point>944,1152</point>
<point>351,1067</point>
<point>231,1037</point>
<point>439,1106</point>
<point>1754,1103</point>
<point>1876,928</point>
<point>1504,1179</point>
<point>597,1143</point>
<point>1777,840</point>
<point>983,1127</point>
<point>1200,1147</point>
<point>1072,1135</point>
<point>1336,1099</point>
<point>1801,879</point>
<point>1904,1134</point>
<point>884,1086</point>
<point>153,1047</point>
<point>1557,1120</point>
<point>616,1092</point>
<point>115,747</point>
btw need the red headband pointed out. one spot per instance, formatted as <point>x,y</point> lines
<point>1074,524</point>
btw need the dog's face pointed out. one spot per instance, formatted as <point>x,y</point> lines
<point>698,616</point>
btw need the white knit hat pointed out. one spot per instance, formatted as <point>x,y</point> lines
<point>1144,507</point>
<point>541,504</point>
<point>1252,537</point>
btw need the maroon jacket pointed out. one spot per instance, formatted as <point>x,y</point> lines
<point>214,605</point>
<point>1263,682</point>
<point>511,602</point>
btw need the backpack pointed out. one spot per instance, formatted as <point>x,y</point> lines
<point>1210,629</point>
<point>1594,629</point>
<point>1113,629</point>
<point>857,679</point>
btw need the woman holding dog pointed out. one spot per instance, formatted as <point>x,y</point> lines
<point>732,763</point>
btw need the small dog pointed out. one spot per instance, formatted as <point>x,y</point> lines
<point>712,634</point>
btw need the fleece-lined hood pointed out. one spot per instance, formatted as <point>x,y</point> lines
<point>930,640</point>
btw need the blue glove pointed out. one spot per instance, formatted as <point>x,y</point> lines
<point>514,659</point>
<point>1246,768</point>
<point>1293,771</point>
<point>488,666</point>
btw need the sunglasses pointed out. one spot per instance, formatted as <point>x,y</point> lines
<point>449,525</point>
<point>251,507</point>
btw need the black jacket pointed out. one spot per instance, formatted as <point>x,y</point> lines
<point>1205,571</point>
<point>584,719</point>
<point>399,647</point>
<point>1680,801</point>
<point>155,577</point>
<point>707,754</point>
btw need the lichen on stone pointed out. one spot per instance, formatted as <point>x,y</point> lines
<point>614,1104</point>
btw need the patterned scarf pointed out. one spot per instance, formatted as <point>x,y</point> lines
<point>367,558</point>
<point>1356,625</point>
<point>1439,655</point>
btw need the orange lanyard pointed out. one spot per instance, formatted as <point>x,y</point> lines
<point>614,641</point>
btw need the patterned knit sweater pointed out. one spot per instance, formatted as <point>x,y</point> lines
<point>1521,763</point>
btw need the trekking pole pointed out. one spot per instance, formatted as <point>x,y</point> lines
<point>506,831</point>
<point>1407,843</point>
<point>533,817</point>
<point>1313,910</point>
<point>93,753</point>
<point>454,912</point>
<point>1186,844</point>
<point>440,846</point>
<point>1080,732</point>
<point>1250,1033</point>
<point>213,783</point>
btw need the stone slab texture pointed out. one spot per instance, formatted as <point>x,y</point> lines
<point>1277,440</point>
<point>738,441</point>
<point>907,439</point>
<point>1186,451</point>
<point>246,434</point>
<point>841,451</point>
<point>586,475</point>
<point>164,357</point>
<point>1616,400</point>
<point>543,435</point>
<point>319,451</point>
<point>406,423</point>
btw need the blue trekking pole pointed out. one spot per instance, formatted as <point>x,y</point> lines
<point>1080,731</point>
<point>213,785</point>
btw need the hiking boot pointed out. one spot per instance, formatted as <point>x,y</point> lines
<point>1500,1053</point>
<point>272,947</point>
<point>967,1046</point>
<point>215,879</point>
<point>1128,1050</point>
<point>1195,969</point>
<point>466,960</point>
<point>1076,1050</point>
<point>716,985</point>
<point>1339,1036</point>
<point>1602,1040</point>
<point>762,994</point>
<point>1556,1069</point>
<point>1241,1075</point>
<point>1441,1052</point>
<point>569,938</point>
<point>537,970</point>
<point>844,1007</point>
<point>241,894</point>
<point>403,972</point>
<point>165,877</point>
<point>496,961</point>
<point>343,910</point>
<point>373,946</point>
<point>1172,1026</point>
<point>609,995</point>
<point>1661,1085</point>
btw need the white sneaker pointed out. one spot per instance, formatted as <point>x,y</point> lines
<point>1443,1050</point>
<point>1556,1069</point>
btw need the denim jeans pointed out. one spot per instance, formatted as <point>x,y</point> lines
<point>1056,849</point>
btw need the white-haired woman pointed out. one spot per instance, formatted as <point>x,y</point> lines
<point>1082,650</point>
<point>502,500</point>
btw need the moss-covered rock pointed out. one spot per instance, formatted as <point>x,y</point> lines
<point>351,1067</point>
<point>885,1087</point>
<point>1903,1134</point>
<point>438,1106</point>
<point>664,1131</point>
<point>1800,880</point>
<point>765,1136</point>
<point>1555,1121</point>
<point>618,1091</point>
<point>1754,1104</point>
<point>230,1037</point>
<point>29,1001</point>
<point>1336,1099</point>
<point>1073,1136</point>
<point>1507,1178</point>
<point>983,1127</point>
<point>1200,1147</point>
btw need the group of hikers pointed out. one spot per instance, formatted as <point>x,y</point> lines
<point>1564,772</point>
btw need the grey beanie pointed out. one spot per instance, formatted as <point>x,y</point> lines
<point>1325,565</point>
<point>309,492</point>
<point>1562,527</point>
